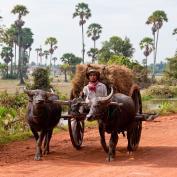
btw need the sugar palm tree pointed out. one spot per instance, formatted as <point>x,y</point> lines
<point>156,20</point>
<point>20,10</point>
<point>146,44</point>
<point>51,41</point>
<point>94,31</point>
<point>83,12</point>
<point>6,55</point>
<point>13,34</point>
<point>37,55</point>
<point>40,55</point>
<point>46,54</point>
<point>8,38</point>
<point>54,60</point>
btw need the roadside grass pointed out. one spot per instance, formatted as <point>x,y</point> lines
<point>6,138</point>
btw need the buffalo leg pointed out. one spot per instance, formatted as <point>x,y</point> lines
<point>38,146</point>
<point>35,133</point>
<point>112,146</point>
<point>102,137</point>
<point>47,141</point>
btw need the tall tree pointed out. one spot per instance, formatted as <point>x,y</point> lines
<point>115,46</point>
<point>51,41</point>
<point>146,44</point>
<point>13,33</point>
<point>83,12</point>
<point>70,61</point>
<point>6,55</point>
<point>93,52</point>
<point>156,20</point>
<point>20,10</point>
<point>37,55</point>
<point>94,31</point>
<point>46,54</point>
<point>9,38</point>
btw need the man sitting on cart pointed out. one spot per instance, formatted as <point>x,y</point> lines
<point>94,88</point>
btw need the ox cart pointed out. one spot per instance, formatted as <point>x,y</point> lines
<point>76,123</point>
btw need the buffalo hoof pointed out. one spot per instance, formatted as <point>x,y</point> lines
<point>110,159</point>
<point>37,157</point>
<point>130,153</point>
<point>46,152</point>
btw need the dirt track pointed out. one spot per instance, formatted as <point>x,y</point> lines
<point>156,156</point>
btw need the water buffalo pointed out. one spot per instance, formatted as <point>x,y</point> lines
<point>115,113</point>
<point>43,114</point>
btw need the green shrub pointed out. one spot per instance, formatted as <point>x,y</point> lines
<point>160,91</point>
<point>13,101</point>
<point>167,108</point>
<point>41,79</point>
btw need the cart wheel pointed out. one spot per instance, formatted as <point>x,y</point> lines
<point>134,132</point>
<point>76,131</point>
<point>134,135</point>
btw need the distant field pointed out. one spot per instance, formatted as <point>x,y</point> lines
<point>11,86</point>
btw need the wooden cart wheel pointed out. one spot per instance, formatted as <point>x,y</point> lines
<point>134,132</point>
<point>76,131</point>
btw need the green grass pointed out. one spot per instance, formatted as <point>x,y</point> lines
<point>6,138</point>
<point>166,108</point>
<point>147,98</point>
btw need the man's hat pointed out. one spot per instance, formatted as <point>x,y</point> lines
<point>93,71</point>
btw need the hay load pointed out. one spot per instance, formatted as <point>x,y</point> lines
<point>120,77</point>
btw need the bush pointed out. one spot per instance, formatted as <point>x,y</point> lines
<point>13,101</point>
<point>41,79</point>
<point>161,91</point>
<point>167,108</point>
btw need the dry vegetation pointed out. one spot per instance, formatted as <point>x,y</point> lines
<point>120,77</point>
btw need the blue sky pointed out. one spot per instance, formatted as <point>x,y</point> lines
<point>121,18</point>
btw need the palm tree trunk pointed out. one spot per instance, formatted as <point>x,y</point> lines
<point>46,61</point>
<point>50,60</point>
<point>20,62</point>
<point>66,80</point>
<point>11,67</point>
<point>29,55</point>
<point>15,59</point>
<point>146,67</point>
<point>94,42</point>
<point>154,53</point>
<point>83,45</point>
<point>37,58</point>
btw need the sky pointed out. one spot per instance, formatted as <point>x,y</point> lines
<point>53,18</point>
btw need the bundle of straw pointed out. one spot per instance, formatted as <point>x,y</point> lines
<point>120,77</point>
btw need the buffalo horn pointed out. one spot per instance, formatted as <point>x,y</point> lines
<point>106,98</point>
<point>62,102</point>
<point>116,104</point>
<point>29,92</point>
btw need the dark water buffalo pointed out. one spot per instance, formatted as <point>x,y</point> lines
<point>115,113</point>
<point>43,114</point>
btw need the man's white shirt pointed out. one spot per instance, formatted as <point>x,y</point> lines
<point>101,91</point>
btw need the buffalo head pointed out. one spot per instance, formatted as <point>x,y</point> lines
<point>98,105</point>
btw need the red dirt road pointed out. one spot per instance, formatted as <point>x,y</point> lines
<point>156,156</point>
